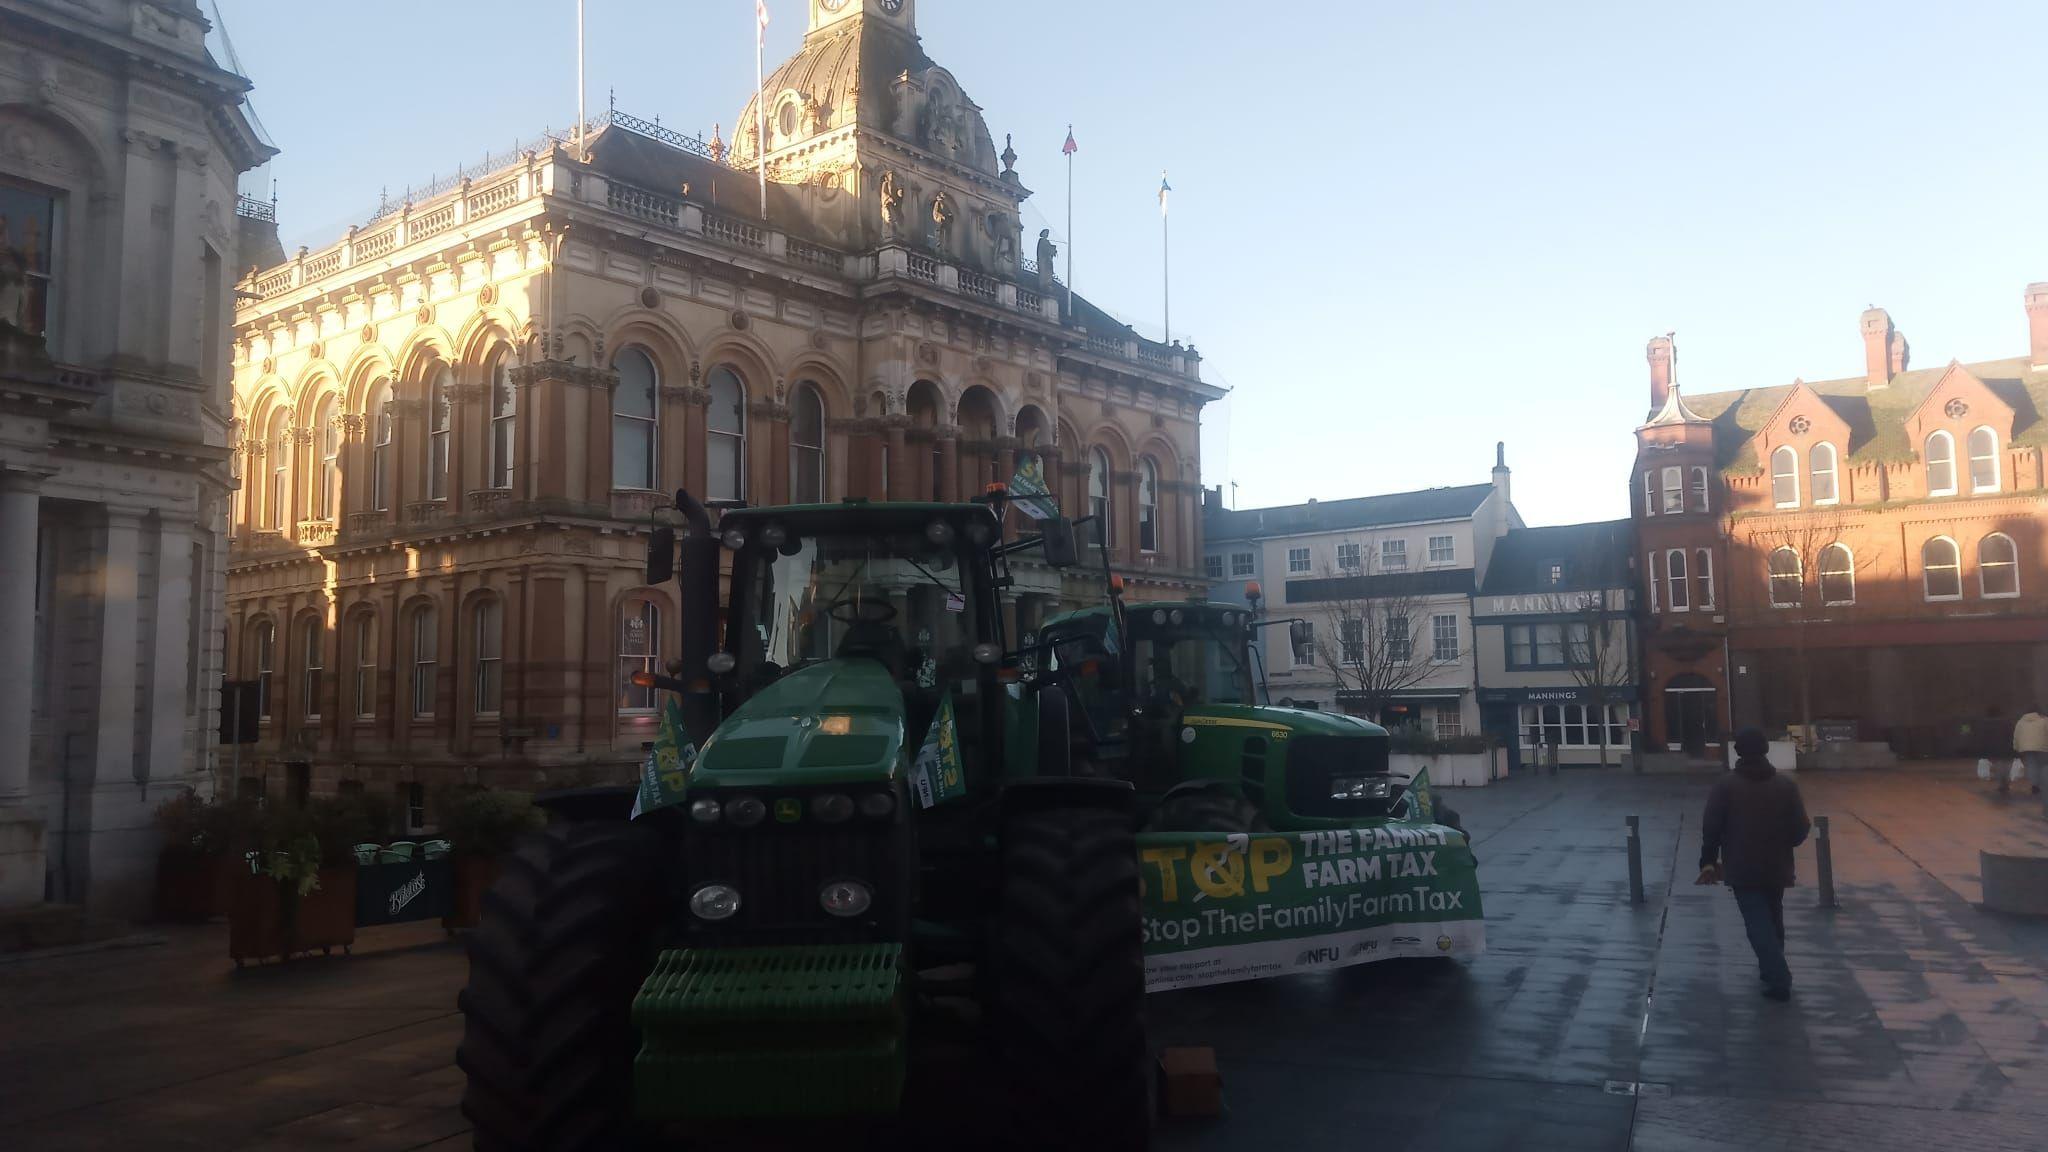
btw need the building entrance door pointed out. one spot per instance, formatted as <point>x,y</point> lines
<point>1691,709</point>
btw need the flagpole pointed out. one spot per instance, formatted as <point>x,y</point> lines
<point>761,101</point>
<point>581,118</point>
<point>1166,254</point>
<point>1070,150</point>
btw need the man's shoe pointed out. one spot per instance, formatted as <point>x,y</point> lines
<point>1781,995</point>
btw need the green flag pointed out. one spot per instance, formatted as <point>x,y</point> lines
<point>665,777</point>
<point>936,776</point>
<point>1424,806</point>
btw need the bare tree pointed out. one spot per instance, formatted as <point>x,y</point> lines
<point>1382,625</point>
<point>1811,576</point>
<point>1600,661</point>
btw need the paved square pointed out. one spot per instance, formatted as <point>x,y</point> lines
<point>1590,1024</point>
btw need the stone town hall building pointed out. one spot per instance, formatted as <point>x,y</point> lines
<point>1867,554</point>
<point>456,422</point>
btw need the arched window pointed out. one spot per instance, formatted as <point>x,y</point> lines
<point>504,423</point>
<point>1148,505</point>
<point>279,445</point>
<point>380,447</point>
<point>1837,575</point>
<point>1983,444</point>
<point>487,640</point>
<point>426,649</point>
<point>1788,579</point>
<point>1941,464</point>
<point>725,425</point>
<point>639,651</point>
<point>807,445</point>
<point>363,642</point>
<point>441,423</point>
<point>266,667</point>
<point>634,416</point>
<point>1675,578</point>
<point>1674,490</point>
<point>327,488</point>
<point>1785,477</point>
<point>1098,495</point>
<point>1941,569</point>
<point>1650,580</point>
<point>1699,489</point>
<point>1650,493</point>
<point>1703,577</point>
<point>1822,459</point>
<point>1998,567</point>
<point>238,436</point>
<point>312,664</point>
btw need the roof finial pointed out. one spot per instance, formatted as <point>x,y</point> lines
<point>1500,454</point>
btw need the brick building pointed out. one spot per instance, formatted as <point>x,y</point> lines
<point>1868,555</point>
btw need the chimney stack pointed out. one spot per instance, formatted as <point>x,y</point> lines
<point>2037,324</point>
<point>1884,349</point>
<point>1503,490</point>
<point>1663,356</point>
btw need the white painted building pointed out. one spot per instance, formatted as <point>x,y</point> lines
<point>121,142</point>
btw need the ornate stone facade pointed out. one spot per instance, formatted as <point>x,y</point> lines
<point>541,356</point>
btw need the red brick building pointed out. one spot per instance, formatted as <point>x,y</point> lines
<point>1868,555</point>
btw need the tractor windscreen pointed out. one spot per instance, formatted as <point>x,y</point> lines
<point>1193,665</point>
<point>902,600</point>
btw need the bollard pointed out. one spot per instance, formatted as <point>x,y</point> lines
<point>1635,860</point>
<point>1824,852</point>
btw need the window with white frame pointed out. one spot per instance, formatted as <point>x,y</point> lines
<point>441,424</point>
<point>1578,644</point>
<point>1699,489</point>
<point>1675,579</point>
<point>1703,578</point>
<point>487,639</point>
<point>504,423</point>
<point>364,643</point>
<point>725,434</point>
<point>1393,555</point>
<point>1548,645</point>
<point>327,490</point>
<point>380,448</point>
<point>266,668</point>
<point>1983,444</point>
<point>1575,726</point>
<point>426,646</point>
<point>635,419</point>
<point>1788,578</point>
<point>1941,569</point>
<point>1347,558</point>
<point>1785,477</point>
<point>1940,454</point>
<point>1148,505</point>
<point>1297,560</point>
<point>1674,490</point>
<point>807,445</point>
<point>1998,567</point>
<point>1443,636</point>
<point>1098,496</point>
<point>639,651</point>
<point>276,509</point>
<point>1351,640</point>
<point>1242,563</point>
<point>1449,722</point>
<point>1400,645</point>
<point>1822,458</point>
<point>1212,567</point>
<point>312,663</point>
<point>1837,575</point>
<point>1650,579</point>
<point>1443,549</point>
<point>31,226</point>
<point>414,798</point>
<point>1650,493</point>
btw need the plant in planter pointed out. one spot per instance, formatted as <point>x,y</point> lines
<point>302,893</point>
<point>484,826</point>
<point>196,866</point>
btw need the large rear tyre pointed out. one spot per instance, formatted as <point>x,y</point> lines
<point>1069,983</point>
<point>565,941</point>
<point>1211,809</point>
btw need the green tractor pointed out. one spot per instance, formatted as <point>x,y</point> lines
<point>859,815</point>
<point>1169,699</point>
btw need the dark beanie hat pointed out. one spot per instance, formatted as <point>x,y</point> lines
<point>1751,742</point>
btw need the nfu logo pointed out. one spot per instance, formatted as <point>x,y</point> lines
<point>1318,956</point>
<point>1365,947</point>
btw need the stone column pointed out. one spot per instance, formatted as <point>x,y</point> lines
<point>949,466</point>
<point>19,512</point>
<point>115,744</point>
<point>167,686</point>
<point>902,468</point>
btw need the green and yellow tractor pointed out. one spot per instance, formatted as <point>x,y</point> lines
<point>858,814</point>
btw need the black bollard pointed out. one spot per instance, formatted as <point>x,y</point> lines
<point>1635,860</point>
<point>1824,851</point>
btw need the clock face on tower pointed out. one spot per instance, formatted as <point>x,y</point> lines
<point>832,5</point>
<point>892,7</point>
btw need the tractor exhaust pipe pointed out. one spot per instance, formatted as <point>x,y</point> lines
<point>697,593</point>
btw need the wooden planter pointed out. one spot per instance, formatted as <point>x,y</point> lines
<point>474,876</point>
<point>325,918</point>
<point>194,889</point>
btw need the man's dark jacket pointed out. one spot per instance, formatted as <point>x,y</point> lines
<point>1755,818</point>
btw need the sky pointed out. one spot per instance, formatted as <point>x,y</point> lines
<point>1401,232</point>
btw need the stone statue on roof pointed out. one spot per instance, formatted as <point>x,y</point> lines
<point>1048,254</point>
<point>892,203</point>
<point>942,220</point>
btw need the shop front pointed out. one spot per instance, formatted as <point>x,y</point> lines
<point>1528,720</point>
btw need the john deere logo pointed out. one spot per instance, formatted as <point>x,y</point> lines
<point>1443,943</point>
<point>788,811</point>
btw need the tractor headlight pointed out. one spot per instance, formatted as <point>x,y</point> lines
<point>715,902</point>
<point>939,532</point>
<point>1176,617</point>
<point>978,533</point>
<point>832,808</point>
<point>877,805</point>
<point>774,536</point>
<point>846,898</point>
<point>1361,788</point>
<point>987,653</point>
<point>746,812</point>
<point>721,663</point>
<point>734,539</point>
<point>1159,616</point>
<point>705,811</point>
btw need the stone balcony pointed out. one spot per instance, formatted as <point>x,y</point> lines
<point>316,533</point>
<point>631,505</point>
<point>489,502</point>
<point>425,512</point>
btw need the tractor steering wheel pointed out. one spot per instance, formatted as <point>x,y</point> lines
<point>869,611</point>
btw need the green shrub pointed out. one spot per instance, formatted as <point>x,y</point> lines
<point>196,827</point>
<point>339,823</point>
<point>1423,744</point>
<point>480,822</point>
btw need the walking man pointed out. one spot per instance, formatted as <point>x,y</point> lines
<point>2030,744</point>
<point>1754,819</point>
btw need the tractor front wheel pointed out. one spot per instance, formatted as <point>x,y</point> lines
<point>565,940</point>
<point>1069,983</point>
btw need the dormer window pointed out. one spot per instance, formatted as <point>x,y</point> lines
<point>1674,491</point>
<point>1823,480</point>
<point>1940,455</point>
<point>1983,444</point>
<point>1699,489</point>
<point>1785,477</point>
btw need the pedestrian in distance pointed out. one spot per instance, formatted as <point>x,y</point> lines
<point>2030,744</point>
<point>1754,819</point>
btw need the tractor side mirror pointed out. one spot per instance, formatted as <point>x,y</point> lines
<point>661,556</point>
<point>1060,550</point>
<point>1300,632</point>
